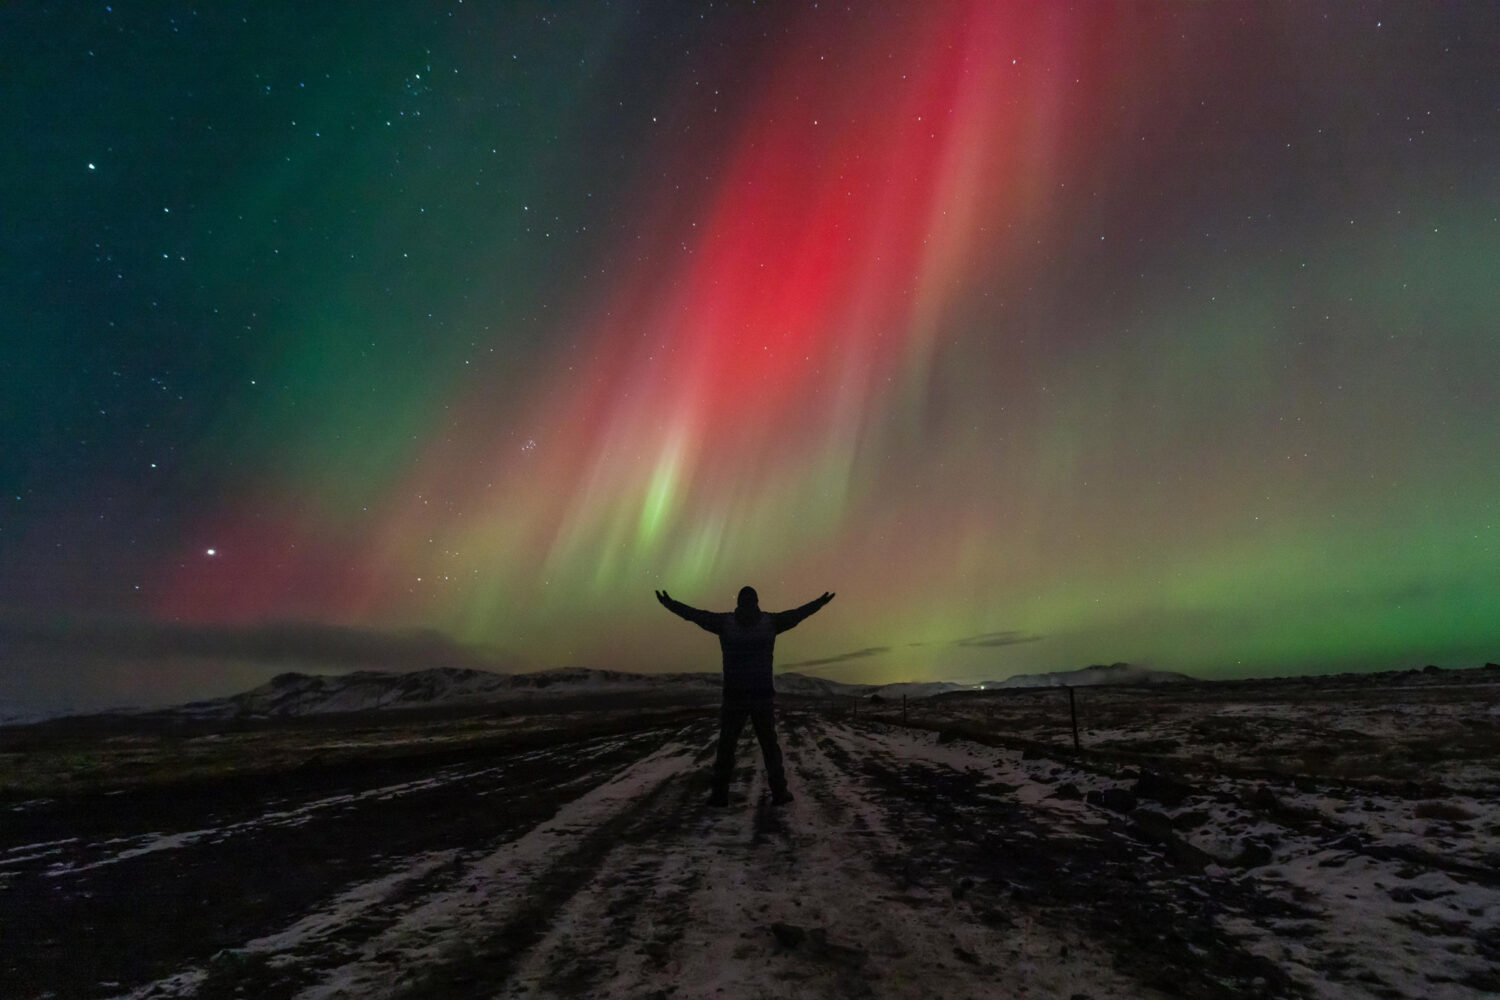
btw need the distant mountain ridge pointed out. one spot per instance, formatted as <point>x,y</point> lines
<point>1113,673</point>
<point>297,694</point>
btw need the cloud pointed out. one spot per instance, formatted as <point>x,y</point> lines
<point>1010,638</point>
<point>858,654</point>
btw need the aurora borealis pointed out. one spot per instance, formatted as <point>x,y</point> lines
<point>1045,334</point>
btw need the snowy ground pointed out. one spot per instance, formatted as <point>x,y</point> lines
<point>911,864</point>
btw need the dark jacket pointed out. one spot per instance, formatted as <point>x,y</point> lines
<point>747,638</point>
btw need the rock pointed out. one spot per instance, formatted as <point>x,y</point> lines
<point>1157,828</point>
<point>964,955</point>
<point>1451,812</point>
<point>1262,798</point>
<point>1156,825</point>
<point>814,942</point>
<point>1068,791</point>
<point>1162,788</point>
<point>1492,666</point>
<point>1181,853</point>
<point>1252,855</point>
<point>788,935</point>
<point>1190,820</point>
<point>947,735</point>
<point>819,945</point>
<point>962,888</point>
<point>1117,799</point>
<point>1432,668</point>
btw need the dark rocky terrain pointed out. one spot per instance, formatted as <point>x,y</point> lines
<point>1295,838</point>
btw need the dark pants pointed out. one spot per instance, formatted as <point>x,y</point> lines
<point>762,716</point>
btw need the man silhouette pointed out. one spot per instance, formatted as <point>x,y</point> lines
<point>747,636</point>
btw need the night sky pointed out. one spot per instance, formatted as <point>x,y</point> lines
<point>1044,334</point>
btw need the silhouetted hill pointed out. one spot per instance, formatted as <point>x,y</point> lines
<point>295,694</point>
<point>1114,673</point>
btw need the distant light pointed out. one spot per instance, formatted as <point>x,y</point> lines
<point>213,552</point>
<point>92,167</point>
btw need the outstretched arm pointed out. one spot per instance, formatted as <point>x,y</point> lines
<point>789,619</point>
<point>703,619</point>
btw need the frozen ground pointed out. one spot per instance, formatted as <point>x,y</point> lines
<point>914,862</point>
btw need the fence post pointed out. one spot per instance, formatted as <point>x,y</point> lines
<point>903,709</point>
<point>1073,711</point>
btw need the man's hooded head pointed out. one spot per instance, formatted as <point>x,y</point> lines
<point>748,610</point>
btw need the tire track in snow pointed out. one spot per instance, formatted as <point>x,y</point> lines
<point>903,869</point>
<point>964,828</point>
<point>688,896</point>
<point>467,941</point>
<point>315,928</point>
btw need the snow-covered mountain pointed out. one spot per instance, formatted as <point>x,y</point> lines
<point>1114,673</point>
<point>311,694</point>
<point>918,689</point>
<point>294,694</point>
<point>298,694</point>
<point>802,685</point>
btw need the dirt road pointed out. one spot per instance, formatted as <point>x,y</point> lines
<point>906,867</point>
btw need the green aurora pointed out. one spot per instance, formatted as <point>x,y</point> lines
<point>1162,334</point>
